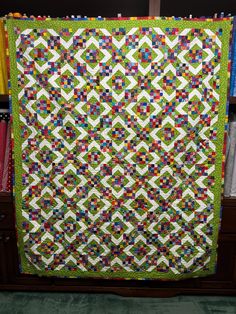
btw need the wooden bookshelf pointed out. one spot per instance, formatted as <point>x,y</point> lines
<point>232,100</point>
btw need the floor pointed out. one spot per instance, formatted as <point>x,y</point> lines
<point>74,303</point>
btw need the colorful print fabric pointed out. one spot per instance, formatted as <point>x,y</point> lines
<point>3,60</point>
<point>3,135</point>
<point>118,130</point>
<point>233,61</point>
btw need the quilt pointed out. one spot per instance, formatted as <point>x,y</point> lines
<point>118,129</point>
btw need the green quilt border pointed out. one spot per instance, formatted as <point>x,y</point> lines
<point>226,26</point>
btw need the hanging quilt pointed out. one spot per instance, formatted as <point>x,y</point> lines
<point>118,130</point>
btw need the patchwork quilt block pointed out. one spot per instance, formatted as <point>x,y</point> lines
<point>118,130</point>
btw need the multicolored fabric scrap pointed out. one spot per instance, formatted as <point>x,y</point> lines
<point>118,130</point>
<point>233,61</point>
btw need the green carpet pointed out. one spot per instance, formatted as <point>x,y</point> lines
<point>62,303</point>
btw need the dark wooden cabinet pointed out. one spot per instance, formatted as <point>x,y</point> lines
<point>223,282</point>
<point>7,256</point>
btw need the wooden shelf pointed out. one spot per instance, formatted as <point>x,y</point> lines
<point>229,202</point>
<point>6,197</point>
<point>4,98</point>
<point>232,100</point>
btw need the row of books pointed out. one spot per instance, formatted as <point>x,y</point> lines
<point>233,62</point>
<point>230,165</point>
<point>230,168</point>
